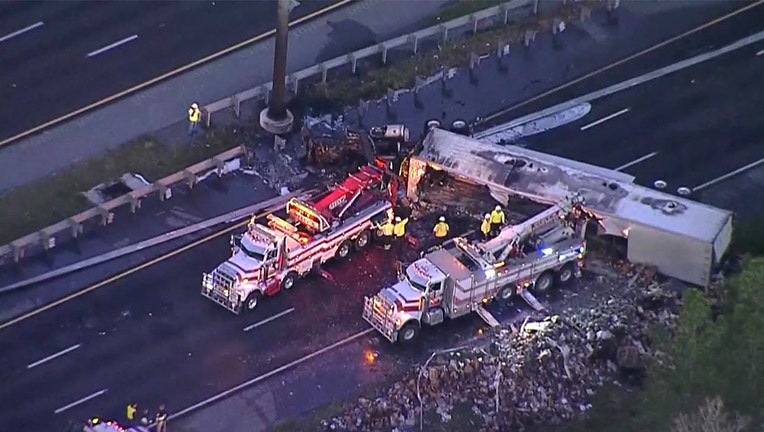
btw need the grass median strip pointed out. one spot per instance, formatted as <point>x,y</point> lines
<point>58,197</point>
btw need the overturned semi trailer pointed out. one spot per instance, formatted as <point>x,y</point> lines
<point>683,239</point>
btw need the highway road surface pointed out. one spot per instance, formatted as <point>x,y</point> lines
<point>687,128</point>
<point>58,56</point>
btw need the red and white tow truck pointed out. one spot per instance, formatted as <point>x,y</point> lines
<point>272,256</point>
<point>458,280</point>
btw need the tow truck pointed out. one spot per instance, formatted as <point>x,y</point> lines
<point>457,280</point>
<point>271,257</point>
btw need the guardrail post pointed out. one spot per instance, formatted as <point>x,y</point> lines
<point>419,82</point>
<point>585,13</point>
<point>447,75</point>
<point>612,5</point>
<point>474,62</point>
<point>18,252</point>
<point>383,50</point>
<point>48,241</point>
<point>236,104</point>
<point>207,118</point>
<point>135,203</point>
<point>248,156</point>
<point>529,36</point>
<point>165,193</point>
<point>75,227</point>
<point>414,42</point>
<point>324,72</point>
<point>474,20</point>
<point>392,97</point>
<point>535,7</point>
<point>363,107</point>
<point>107,217</point>
<point>505,10</point>
<point>353,62</point>
<point>444,32</point>
<point>557,29</point>
<point>219,166</point>
<point>191,178</point>
<point>502,50</point>
<point>292,83</point>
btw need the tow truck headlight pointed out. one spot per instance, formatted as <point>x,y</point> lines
<point>225,292</point>
<point>490,273</point>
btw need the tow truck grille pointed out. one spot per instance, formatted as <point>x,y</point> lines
<point>223,289</point>
<point>376,311</point>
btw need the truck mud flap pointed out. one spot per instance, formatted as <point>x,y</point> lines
<point>532,301</point>
<point>487,316</point>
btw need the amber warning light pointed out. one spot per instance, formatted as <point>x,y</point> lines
<point>371,357</point>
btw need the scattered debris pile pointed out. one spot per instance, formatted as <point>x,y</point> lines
<point>328,141</point>
<point>543,370</point>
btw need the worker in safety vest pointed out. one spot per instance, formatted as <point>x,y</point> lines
<point>441,229</point>
<point>161,419</point>
<point>400,232</point>
<point>485,227</point>
<point>194,116</point>
<point>131,410</point>
<point>497,220</point>
<point>387,234</point>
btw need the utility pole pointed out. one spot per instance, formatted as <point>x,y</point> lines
<point>277,119</point>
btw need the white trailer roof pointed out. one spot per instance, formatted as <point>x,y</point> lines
<point>549,178</point>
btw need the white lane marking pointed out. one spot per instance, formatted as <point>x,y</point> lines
<point>54,356</point>
<point>635,161</point>
<point>22,31</point>
<point>760,53</point>
<point>290,365</point>
<point>728,175</point>
<point>615,88</point>
<point>114,45</point>
<point>267,320</point>
<point>604,119</point>
<point>81,401</point>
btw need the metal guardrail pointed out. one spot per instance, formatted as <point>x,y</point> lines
<point>413,39</point>
<point>268,206</point>
<point>46,237</point>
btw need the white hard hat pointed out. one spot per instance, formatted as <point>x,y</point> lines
<point>194,105</point>
<point>442,219</point>
<point>397,218</point>
<point>487,215</point>
<point>498,208</point>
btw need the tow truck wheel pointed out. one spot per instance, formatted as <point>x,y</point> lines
<point>408,333</point>
<point>362,240</point>
<point>544,283</point>
<point>344,250</point>
<point>565,274</point>
<point>507,293</point>
<point>289,280</point>
<point>253,300</point>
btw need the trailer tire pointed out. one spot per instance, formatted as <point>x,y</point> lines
<point>544,282</point>
<point>506,293</point>
<point>408,332</point>
<point>289,280</point>
<point>343,251</point>
<point>362,240</point>
<point>253,299</point>
<point>566,274</point>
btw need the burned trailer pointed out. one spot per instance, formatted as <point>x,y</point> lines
<point>683,239</point>
<point>330,142</point>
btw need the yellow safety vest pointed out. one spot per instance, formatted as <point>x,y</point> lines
<point>485,227</point>
<point>131,412</point>
<point>400,228</point>
<point>387,229</point>
<point>497,217</point>
<point>441,229</point>
<point>194,115</point>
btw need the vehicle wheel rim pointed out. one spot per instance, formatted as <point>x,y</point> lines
<point>344,249</point>
<point>408,334</point>
<point>506,294</point>
<point>252,303</point>
<point>288,282</point>
<point>566,275</point>
<point>544,284</point>
<point>362,240</point>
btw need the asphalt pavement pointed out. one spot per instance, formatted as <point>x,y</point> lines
<point>58,60</point>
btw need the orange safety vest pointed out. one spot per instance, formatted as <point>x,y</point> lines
<point>441,229</point>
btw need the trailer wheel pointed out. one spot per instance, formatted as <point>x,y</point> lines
<point>362,240</point>
<point>253,300</point>
<point>289,280</point>
<point>408,332</point>
<point>344,250</point>
<point>544,282</point>
<point>507,293</point>
<point>565,274</point>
